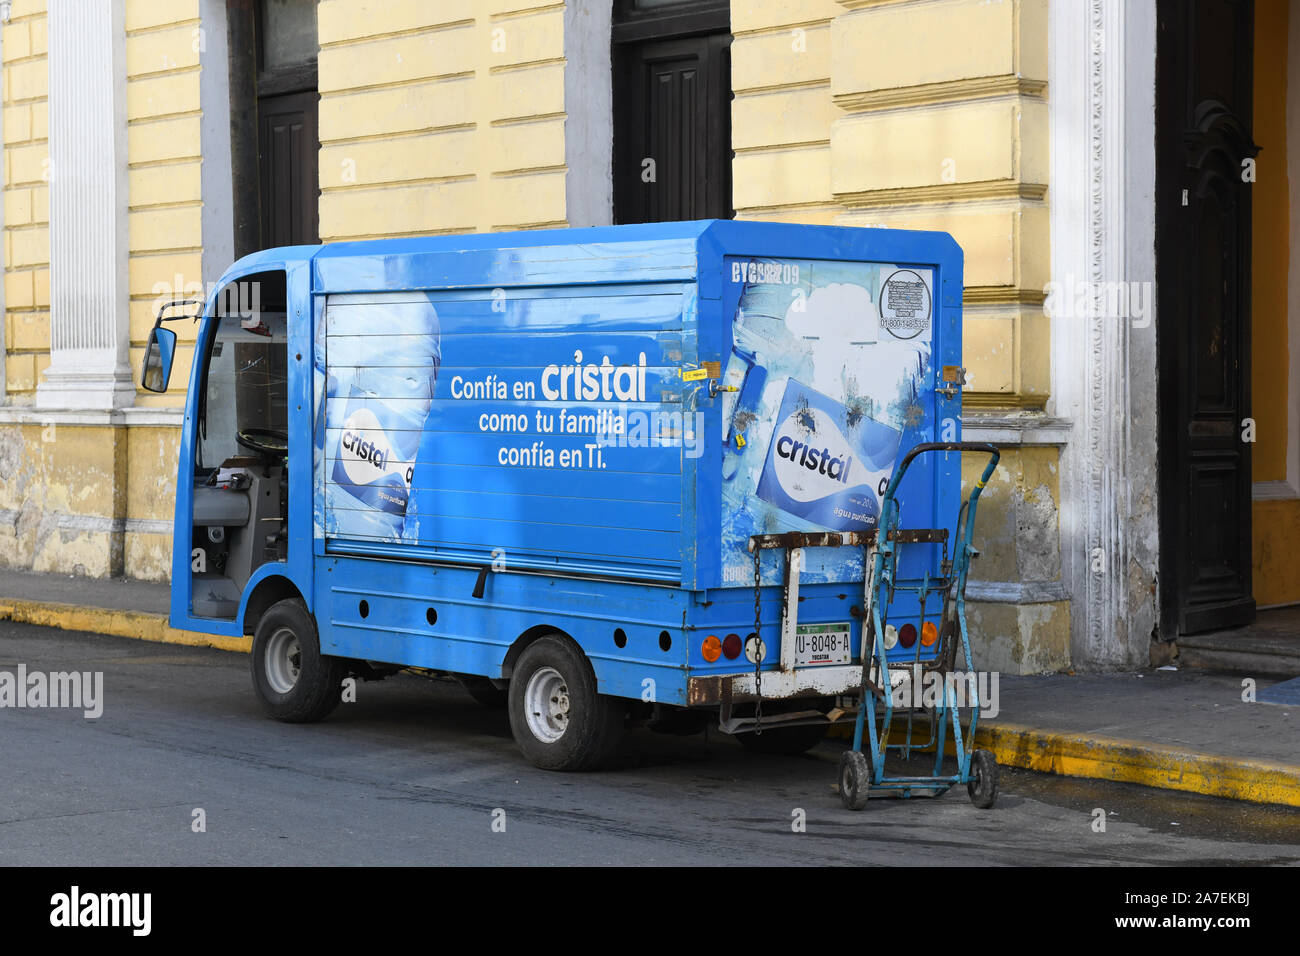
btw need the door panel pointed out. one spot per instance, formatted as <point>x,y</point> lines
<point>1204,78</point>
<point>287,164</point>
<point>673,106</point>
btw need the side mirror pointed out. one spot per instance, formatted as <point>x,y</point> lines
<point>158,355</point>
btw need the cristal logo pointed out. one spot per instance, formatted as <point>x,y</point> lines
<point>813,459</point>
<point>366,452</point>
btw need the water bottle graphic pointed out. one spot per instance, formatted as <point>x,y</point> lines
<point>826,465</point>
<point>745,373</point>
<point>389,380</point>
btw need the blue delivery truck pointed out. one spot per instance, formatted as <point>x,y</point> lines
<point>602,476</point>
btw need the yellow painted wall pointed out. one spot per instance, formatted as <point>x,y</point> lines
<point>944,125</point>
<point>71,484</point>
<point>164,39</point>
<point>27,202</point>
<point>782,114</point>
<point>164,162</point>
<point>440,117</point>
<point>911,115</point>
<point>1275,523</point>
<point>928,114</point>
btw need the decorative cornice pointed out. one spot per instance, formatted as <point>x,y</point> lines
<point>1018,429</point>
<point>1016,592</point>
<point>1002,400</point>
<point>92,418</point>
<point>94,524</point>
<point>943,193</point>
<point>1001,295</point>
<point>861,4</point>
<point>948,91</point>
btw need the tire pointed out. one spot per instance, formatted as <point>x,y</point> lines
<point>855,779</point>
<point>983,785</point>
<point>558,719</point>
<point>294,681</point>
<point>485,692</point>
<point>788,741</point>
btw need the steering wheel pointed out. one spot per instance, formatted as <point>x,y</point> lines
<point>267,441</point>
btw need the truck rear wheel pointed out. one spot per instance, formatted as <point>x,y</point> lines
<point>294,681</point>
<point>558,719</point>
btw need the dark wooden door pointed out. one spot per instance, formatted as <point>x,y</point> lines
<point>672,137</point>
<point>287,145</point>
<point>1204,76</point>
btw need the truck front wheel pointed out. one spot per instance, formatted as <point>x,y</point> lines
<point>558,719</point>
<point>294,681</point>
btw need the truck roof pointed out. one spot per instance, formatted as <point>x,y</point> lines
<point>640,252</point>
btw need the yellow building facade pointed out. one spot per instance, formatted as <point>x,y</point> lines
<point>998,122</point>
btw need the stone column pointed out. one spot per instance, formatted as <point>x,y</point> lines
<point>1103,365</point>
<point>89,315</point>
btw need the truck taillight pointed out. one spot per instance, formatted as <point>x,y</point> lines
<point>711,649</point>
<point>907,635</point>
<point>929,634</point>
<point>732,645</point>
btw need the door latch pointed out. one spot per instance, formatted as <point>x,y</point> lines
<point>952,378</point>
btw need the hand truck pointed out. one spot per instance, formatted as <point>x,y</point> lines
<point>862,769</point>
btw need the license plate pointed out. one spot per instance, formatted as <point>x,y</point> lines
<point>816,644</point>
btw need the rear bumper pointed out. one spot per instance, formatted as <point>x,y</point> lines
<point>777,685</point>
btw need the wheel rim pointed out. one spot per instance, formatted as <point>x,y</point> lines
<point>546,705</point>
<point>283,660</point>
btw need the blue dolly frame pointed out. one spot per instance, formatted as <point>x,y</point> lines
<point>862,771</point>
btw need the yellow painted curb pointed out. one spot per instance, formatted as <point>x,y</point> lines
<point>1148,764</point>
<point>1130,761</point>
<point>118,623</point>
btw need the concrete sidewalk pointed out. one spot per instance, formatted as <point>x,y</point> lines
<point>1186,730</point>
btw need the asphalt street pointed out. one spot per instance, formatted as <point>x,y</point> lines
<point>415,773</point>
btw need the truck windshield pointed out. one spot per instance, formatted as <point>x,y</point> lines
<point>245,390</point>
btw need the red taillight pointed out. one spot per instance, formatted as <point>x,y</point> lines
<point>732,646</point>
<point>907,635</point>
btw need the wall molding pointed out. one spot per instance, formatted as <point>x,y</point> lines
<point>1102,118</point>
<point>217,226</point>
<point>136,417</point>
<point>95,524</point>
<point>1017,430</point>
<point>1289,487</point>
<point>940,94</point>
<point>1002,189</point>
<point>1273,491</point>
<point>1016,592</point>
<point>589,112</point>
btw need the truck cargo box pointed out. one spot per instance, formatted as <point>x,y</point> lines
<point>632,402</point>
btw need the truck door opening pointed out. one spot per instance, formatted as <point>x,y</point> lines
<point>241,491</point>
